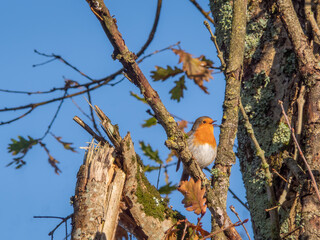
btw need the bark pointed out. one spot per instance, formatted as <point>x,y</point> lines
<point>228,129</point>
<point>176,138</point>
<point>98,192</point>
<point>279,62</point>
<point>310,71</point>
<point>112,189</point>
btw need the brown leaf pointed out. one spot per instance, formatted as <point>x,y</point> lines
<point>199,230</point>
<point>182,125</point>
<point>166,176</point>
<point>66,145</point>
<point>193,196</point>
<point>172,235</point>
<point>170,155</point>
<point>53,162</point>
<point>195,68</point>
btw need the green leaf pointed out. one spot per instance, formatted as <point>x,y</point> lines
<point>177,91</point>
<point>163,74</point>
<point>150,122</point>
<point>150,153</point>
<point>168,188</point>
<point>138,97</point>
<point>149,168</point>
<point>21,145</point>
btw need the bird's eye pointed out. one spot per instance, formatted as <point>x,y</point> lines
<point>204,121</point>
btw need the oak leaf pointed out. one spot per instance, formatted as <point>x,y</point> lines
<point>199,230</point>
<point>177,90</point>
<point>195,68</point>
<point>172,234</point>
<point>136,96</point>
<point>150,153</point>
<point>194,199</point>
<point>164,73</point>
<point>167,189</point>
<point>150,122</point>
<point>66,145</point>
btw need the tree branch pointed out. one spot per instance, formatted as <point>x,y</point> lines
<point>204,13</point>
<point>228,128</point>
<point>314,183</point>
<point>176,139</point>
<point>310,17</point>
<point>265,166</point>
<point>153,30</point>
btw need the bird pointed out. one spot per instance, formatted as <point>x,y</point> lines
<point>201,143</point>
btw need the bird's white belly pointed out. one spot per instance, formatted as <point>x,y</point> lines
<point>203,153</point>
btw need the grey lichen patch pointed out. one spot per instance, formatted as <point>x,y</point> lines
<point>255,183</point>
<point>289,64</point>
<point>256,96</point>
<point>255,30</point>
<point>215,172</point>
<point>222,13</point>
<point>281,137</point>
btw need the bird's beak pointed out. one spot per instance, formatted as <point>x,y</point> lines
<point>215,125</point>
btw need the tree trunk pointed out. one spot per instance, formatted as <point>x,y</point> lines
<point>98,193</point>
<point>277,67</point>
<point>112,188</point>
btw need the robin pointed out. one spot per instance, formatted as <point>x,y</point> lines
<point>201,143</point>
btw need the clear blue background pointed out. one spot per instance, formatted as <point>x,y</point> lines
<point>68,28</point>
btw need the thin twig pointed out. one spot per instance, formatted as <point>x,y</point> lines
<point>64,220</point>
<point>198,224</point>
<point>300,102</point>
<point>239,200</point>
<point>288,234</point>
<point>230,191</point>
<point>310,17</point>
<point>64,61</point>
<point>285,192</point>
<point>204,13</point>
<point>54,117</point>
<point>214,40</point>
<point>314,183</point>
<point>89,130</point>
<point>17,118</point>
<point>80,109</point>
<point>225,228</point>
<point>272,208</point>
<point>232,208</point>
<point>184,230</point>
<point>92,115</point>
<point>159,176</point>
<point>153,30</point>
<point>259,153</point>
<point>276,172</point>
<point>158,51</point>
<point>102,81</point>
<point>34,105</point>
<point>111,76</point>
<point>44,63</point>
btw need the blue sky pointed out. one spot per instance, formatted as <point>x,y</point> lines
<point>68,28</point>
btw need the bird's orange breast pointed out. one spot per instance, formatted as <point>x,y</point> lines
<point>204,134</point>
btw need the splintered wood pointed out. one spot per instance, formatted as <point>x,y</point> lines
<point>98,192</point>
